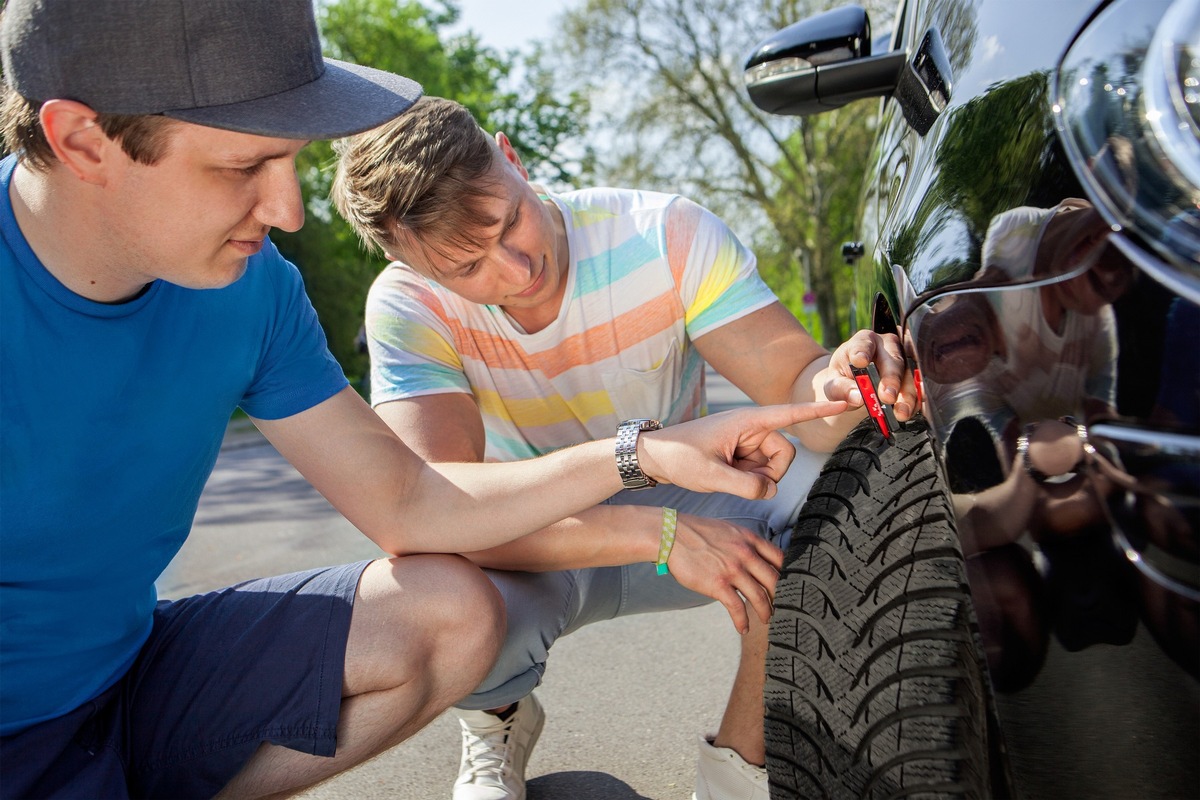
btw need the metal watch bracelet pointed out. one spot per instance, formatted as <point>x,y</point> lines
<point>628,432</point>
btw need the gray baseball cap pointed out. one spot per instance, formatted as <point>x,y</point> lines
<point>253,66</point>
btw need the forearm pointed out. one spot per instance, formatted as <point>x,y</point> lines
<point>602,536</point>
<point>996,516</point>
<point>406,505</point>
<point>824,434</point>
<point>468,507</point>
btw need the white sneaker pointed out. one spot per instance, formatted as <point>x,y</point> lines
<point>721,774</point>
<point>495,752</point>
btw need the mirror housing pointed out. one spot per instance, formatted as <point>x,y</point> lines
<point>825,61</point>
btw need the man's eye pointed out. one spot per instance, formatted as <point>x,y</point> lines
<point>513,222</point>
<point>249,171</point>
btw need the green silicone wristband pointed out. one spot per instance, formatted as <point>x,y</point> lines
<point>670,518</point>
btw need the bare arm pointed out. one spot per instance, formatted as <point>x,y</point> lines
<point>771,357</point>
<point>406,505</point>
<point>713,557</point>
<point>448,428</point>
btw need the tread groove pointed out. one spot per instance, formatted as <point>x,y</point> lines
<point>876,686</point>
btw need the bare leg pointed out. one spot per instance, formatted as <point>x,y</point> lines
<point>741,727</point>
<point>424,632</point>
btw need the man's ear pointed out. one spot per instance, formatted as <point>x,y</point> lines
<point>76,139</point>
<point>510,154</point>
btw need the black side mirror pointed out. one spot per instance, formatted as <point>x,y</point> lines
<point>819,64</point>
<point>825,61</point>
<point>829,38</point>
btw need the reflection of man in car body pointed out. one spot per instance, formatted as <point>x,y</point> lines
<point>1097,118</point>
<point>1056,352</point>
<point>1012,357</point>
<point>1003,365</point>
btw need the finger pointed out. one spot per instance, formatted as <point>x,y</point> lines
<point>785,415</point>
<point>751,461</point>
<point>780,452</point>
<point>760,583</point>
<point>760,599</point>
<point>890,363</point>
<point>726,478</point>
<point>859,349</point>
<point>771,554</point>
<point>906,403</point>
<point>737,610</point>
<point>771,460</point>
<point>755,463</point>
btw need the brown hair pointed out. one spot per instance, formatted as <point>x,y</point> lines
<point>424,174</point>
<point>143,137</point>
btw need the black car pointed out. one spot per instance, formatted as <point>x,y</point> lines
<point>1002,597</point>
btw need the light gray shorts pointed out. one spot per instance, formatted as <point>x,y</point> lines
<point>542,606</point>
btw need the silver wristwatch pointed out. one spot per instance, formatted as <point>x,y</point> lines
<point>631,473</point>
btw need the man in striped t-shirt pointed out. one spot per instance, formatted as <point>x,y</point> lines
<point>516,321</point>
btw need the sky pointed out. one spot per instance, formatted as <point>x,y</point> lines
<point>500,25</point>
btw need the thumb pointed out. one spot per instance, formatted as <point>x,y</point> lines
<point>751,485</point>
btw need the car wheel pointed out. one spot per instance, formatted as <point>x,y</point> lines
<point>876,684</point>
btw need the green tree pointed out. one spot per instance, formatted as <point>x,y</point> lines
<point>1008,123</point>
<point>673,109</point>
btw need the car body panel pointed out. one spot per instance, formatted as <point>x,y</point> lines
<point>1059,373</point>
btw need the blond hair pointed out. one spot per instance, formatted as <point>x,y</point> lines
<point>422,176</point>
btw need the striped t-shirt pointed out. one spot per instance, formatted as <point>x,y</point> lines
<point>648,274</point>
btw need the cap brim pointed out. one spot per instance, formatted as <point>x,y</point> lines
<point>345,100</point>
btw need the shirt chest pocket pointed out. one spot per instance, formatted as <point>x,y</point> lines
<point>646,392</point>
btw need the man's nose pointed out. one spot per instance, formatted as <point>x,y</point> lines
<point>517,264</point>
<point>280,203</point>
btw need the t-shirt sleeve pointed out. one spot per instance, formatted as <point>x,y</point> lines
<point>716,274</point>
<point>410,339</point>
<point>1010,244</point>
<point>296,370</point>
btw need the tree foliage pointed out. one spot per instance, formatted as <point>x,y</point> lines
<point>671,104</point>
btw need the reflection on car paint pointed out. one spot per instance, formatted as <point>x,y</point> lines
<point>1037,246</point>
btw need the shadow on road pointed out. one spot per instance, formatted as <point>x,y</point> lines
<point>581,785</point>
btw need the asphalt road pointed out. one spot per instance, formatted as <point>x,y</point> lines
<point>625,700</point>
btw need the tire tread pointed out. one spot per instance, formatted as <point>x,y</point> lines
<point>876,686</point>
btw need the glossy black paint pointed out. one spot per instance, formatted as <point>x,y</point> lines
<point>821,63</point>
<point>1054,337</point>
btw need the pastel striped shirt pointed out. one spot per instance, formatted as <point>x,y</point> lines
<point>648,274</point>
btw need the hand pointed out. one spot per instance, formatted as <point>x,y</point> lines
<point>727,563</point>
<point>739,452</point>
<point>896,387</point>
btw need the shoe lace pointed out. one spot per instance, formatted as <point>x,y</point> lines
<point>487,752</point>
<point>754,772</point>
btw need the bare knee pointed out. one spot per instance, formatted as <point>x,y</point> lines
<point>434,619</point>
<point>468,624</point>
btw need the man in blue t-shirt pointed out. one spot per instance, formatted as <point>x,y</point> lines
<point>141,304</point>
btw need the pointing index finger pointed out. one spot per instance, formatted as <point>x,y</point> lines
<point>787,414</point>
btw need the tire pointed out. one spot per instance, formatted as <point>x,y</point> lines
<point>876,683</point>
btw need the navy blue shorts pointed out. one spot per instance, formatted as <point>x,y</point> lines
<point>221,673</point>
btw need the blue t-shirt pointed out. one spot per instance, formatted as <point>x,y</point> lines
<point>111,418</point>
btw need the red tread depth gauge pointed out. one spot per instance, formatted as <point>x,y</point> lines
<point>867,379</point>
